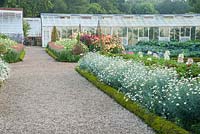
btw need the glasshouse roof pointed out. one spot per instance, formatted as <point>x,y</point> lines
<point>120,20</point>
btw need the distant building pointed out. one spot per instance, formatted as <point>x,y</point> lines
<point>130,28</point>
<point>34,34</point>
<point>11,23</point>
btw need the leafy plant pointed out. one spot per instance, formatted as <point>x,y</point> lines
<point>26,28</point>
<point>190,48</point>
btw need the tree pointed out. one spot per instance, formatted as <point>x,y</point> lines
<point>54,34</point>
<point>95,8</point>
<point>33,8</point>
<point>59,6</point>
<point>2,3</point>
<point>77,6</point>
<point>26,28</point>
<point>144,8</point>
<point>110,6</point>
<point>10,3</point>
<point>173,7</point>
<point>196,5</point>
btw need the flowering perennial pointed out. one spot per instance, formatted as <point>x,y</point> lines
<point>158,89</point>
<point>4,71</point>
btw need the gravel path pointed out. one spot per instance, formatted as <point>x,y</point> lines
<point>46,97</point>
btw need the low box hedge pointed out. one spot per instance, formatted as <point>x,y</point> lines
<point>160,125</point>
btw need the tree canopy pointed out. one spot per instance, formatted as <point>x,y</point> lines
<point>33,8</point>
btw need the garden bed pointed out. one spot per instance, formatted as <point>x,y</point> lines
<point>11,50</point>
<point>66,50</point>
<point>190,48</point>
<point>160,125</point>
<point>182,69</point>
<point>158,89</point>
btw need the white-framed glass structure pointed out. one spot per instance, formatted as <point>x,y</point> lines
<point>11,23</point>
<point>35,27</point>
<point>130,28</point>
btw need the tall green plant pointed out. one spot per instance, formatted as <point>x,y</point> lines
<point>54,34</point>
<point>26,28</point>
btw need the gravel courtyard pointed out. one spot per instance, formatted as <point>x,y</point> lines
<point>43,96</point>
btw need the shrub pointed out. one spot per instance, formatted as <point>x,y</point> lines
<point>54,34</point>
<point>158,89</point>
<point>3,36</point>
<point>12,52</point>
<point>13,56</point>
<point>106,43</point>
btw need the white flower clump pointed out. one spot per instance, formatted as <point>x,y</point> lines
<point>180,58</point>
<point>156,88</point>
<point>4,70</point>
<point>167,55</point>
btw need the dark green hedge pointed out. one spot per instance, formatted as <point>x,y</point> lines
<point>160,125</point>
<point>13,56</point>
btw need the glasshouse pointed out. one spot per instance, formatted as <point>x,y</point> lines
<point>130,28</point>
<point>11,23</point>
<point>34,34</point>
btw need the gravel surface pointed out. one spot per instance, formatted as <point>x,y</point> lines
<point>46,97</point>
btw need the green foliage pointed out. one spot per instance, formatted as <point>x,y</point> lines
<point>143,8</point>
<point>13,56</point>
<point>59,6</point>
<point>160,125</point>
<point>35,7</point>
<point>196,5</point>
<point>190,48</point>
<point>159,89</point>
<point>10,50</point>
<point>26,28</point>
<point>63,56</point>
<point>95,8</point>
<point>173,7</point>
<point>71,51</point>
<point>182,69</point>
<point>2,49</point>
<point>8,43</point>
<point>22,55</point>
<point>54,34</point>
<point>51,53</point>
<point>3,36</point>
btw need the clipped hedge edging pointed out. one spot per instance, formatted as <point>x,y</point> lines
<point>51,53</point>
<point>160,125</point>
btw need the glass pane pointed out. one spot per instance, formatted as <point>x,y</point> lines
<point>164,32</point>
<point>198,33</point>
<point>153,33</point>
